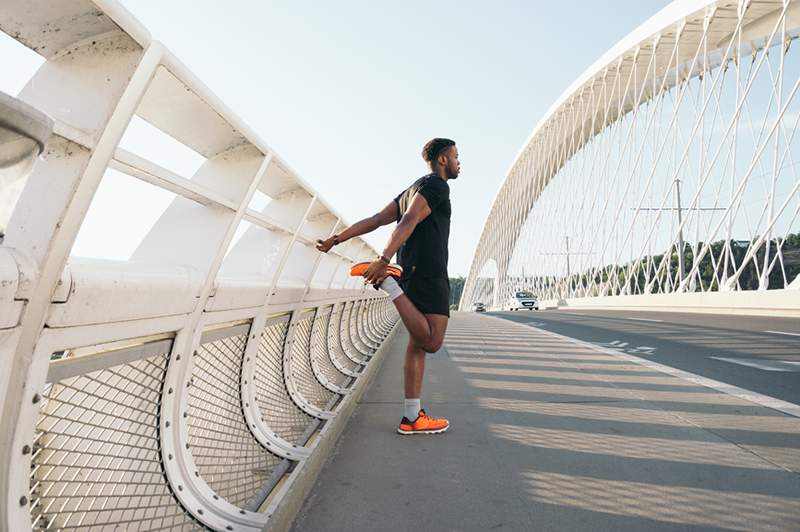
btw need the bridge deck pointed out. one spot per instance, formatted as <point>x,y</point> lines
<point>548,434</point>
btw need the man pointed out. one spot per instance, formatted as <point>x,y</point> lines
<point>422,297</point>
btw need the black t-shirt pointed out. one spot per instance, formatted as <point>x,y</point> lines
<point>425,252</point>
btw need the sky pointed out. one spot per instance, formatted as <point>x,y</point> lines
<point>348,92</point>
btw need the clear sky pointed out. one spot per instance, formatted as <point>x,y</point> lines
<point>349,91</point>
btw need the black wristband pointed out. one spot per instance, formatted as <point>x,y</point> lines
<point>336,240</point>
<point>383,259</point>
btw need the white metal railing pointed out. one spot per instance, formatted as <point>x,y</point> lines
<point>665,176</point>
<point>175,389</point>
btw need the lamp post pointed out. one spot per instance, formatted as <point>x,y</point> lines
<point>679,209</point>
<point>23,134</point>
<point>567,253</point>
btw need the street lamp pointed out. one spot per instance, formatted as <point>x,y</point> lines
<point>23,134</point>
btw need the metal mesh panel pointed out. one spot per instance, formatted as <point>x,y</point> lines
<point>367,332</point>
<point>384,318</point>
<point>365,329</point>
<point>335,344</point>
<point>277,409</point>
<point>96,460</point>
<point>374,316</point>
<point>321,361</point>
<point>348,347</point>
<point>302,373</point>
<point>355,332</point>
<point>390,317</point>
<point>227,455</point>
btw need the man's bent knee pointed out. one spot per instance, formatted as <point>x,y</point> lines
<point>429,345</point>
<point>433,347</point>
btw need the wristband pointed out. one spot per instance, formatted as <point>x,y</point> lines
<point>383,259</point>
<point>336,240</point>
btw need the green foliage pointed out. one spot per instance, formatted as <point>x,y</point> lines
<point>456,287</point>
<point>711,267</point>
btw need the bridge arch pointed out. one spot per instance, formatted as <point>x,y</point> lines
<point>667,168</point>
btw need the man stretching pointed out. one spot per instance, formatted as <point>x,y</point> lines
<point>422,297</point>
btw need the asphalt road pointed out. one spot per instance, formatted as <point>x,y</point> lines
<point>759,354</point>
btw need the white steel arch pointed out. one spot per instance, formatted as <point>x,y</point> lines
<point>176,389</point>
<point>681,137</point>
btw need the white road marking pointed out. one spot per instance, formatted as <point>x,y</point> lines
<point>645,319</point>
<point>620,346</point>
<point>783,332</point>
<point>616,344</point>
<point>764,364</point>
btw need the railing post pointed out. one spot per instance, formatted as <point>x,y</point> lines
<point>46,235</point>
<point>191,489</point>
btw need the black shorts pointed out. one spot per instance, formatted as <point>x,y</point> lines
<point>431,295</point>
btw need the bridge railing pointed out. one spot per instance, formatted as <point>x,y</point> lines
<point>182,382</point>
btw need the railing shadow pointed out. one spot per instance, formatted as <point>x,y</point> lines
<point>599,439</point>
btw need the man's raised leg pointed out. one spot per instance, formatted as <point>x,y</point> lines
<point>427,330</point>
<point>426,333</point>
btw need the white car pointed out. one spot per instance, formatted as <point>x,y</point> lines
<point>523,300</point>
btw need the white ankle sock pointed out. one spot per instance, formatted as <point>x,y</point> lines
<point>411,409</point>
<point>390,286</point>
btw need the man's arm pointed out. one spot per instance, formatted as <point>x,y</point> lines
<point>417,211</point>
<point>386,216</point>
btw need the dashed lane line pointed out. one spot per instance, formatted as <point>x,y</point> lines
<point>763,364</point>
<point>783,332</point>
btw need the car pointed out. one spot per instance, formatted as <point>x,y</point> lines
<point>523,299</point>
<point>479,307</point>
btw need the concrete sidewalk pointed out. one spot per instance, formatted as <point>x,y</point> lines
<point>548,434</point>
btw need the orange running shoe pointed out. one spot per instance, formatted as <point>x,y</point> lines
<point>360,268</point>
<point>423,425</point>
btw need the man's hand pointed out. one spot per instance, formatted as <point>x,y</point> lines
<point>325,245</point>
<point>376,271</point>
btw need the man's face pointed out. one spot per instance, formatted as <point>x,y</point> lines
<point>449,159</point>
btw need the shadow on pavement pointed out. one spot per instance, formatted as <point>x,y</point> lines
<point>550,435</point>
